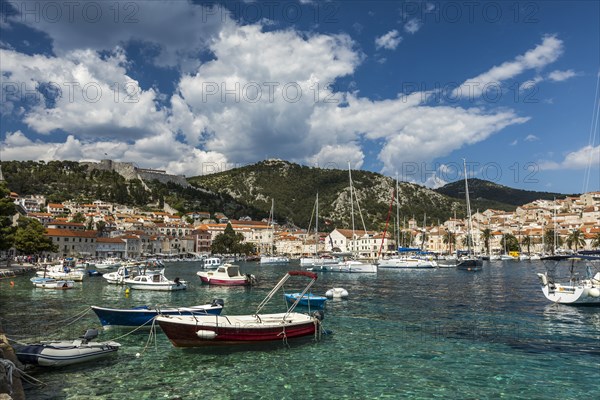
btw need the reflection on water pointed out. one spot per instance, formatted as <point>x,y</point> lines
<point>421,334</point>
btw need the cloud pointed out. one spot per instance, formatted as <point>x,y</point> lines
<point>389,41</point>
<point>514,142</point>
<point>160,151</point>
<point>575,160</point>
<point>413,25</point>
<point>179,30</point>
<point>531,138</point>
<point>80,93</point>
<point>338,156</point>
<point>559,76</point>
<point>543,54</point>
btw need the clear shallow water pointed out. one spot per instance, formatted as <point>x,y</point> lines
<point>401,334</point>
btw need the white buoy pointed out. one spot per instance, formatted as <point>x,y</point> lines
<point>594,292</point>
<point>337,293</point>
<point>137,355</point>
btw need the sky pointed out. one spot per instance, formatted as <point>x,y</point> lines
<point>413,89</point>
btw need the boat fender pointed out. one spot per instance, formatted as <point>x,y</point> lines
<point>319,314</point>
<point>218,302</point>
<point>594,292</point>
<point>207,335</point>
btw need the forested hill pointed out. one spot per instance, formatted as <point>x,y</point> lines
<point>486,194</point>
<point>294,189</point>
<point>248,191</point>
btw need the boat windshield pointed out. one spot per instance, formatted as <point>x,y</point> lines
<point>233,271</point>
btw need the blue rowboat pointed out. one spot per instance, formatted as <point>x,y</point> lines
<point>308,300</point>
<point>143,314</point>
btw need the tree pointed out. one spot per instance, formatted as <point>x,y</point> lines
<point>100,226</point>
<point>30,237</point>
<point>7,210</point>
<point>576,238</point>
<point>78,218</point>
<point>527,241</point>
<point>449,240</point>
<point>596,240</point>
<point>486,234</point>
<point>509,242</point>
<point>227,242</point>
<point>549,240</point>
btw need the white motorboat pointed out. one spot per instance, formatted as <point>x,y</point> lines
<point>406,260</point>
<point>352,266</point>
<point>66,352</point>
<point>226,275</point>
<point>155,281</point>
<point>274,260</point>
<point>109,263</point>
<point>51,283</point>
<point>124,272</point>
<point>62,272</point>
<point>574,290</point>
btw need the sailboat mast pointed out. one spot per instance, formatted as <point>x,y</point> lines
<point>317,225</point>
<point>469,227</point>
<point>397,215</point>
<point>351,203</point>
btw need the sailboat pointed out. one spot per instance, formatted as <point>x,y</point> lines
<point>315,259</point>
<point>469,262</point>
<point>269,258</point>
<point>352,265</point>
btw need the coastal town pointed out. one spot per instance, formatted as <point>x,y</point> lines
<point>101,229</point>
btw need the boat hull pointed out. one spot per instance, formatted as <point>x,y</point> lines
<point>234,330</point>
<point>308,300</point>
<point>224,282</point>
<point>158,287</point>
<point>470,264</point>
<point>63,353</point>
<point>47,283</point>
<point>143,315</point>
<point>406,263</point>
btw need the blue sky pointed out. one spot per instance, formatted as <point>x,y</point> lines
<point>398,87</point>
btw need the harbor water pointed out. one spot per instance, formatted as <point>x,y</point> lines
<point>439,333</point>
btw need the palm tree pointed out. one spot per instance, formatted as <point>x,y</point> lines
<point>509,242</point>
<point>527,241</point>
<point>596,240</point>
<point>449,240</point>
<point>549,237</point>
<point>576,238</point>
<point>486,234</point>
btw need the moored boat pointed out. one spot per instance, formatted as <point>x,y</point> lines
<point>141,315</point>
<point>572,290</point>
<point>208,330</point>
<point>155,281</point>
<point>51,283</point>
<point>226,275</point>
<point>66,352</point>
<point>307,300</point>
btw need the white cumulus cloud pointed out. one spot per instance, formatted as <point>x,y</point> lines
<point>389,41</point>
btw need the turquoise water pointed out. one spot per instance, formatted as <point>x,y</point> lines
<point>401,334</point>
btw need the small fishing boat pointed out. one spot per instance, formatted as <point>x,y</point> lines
<point>308,300</point>
<point>141,315</point>
<point>109,263</point>
<point>51,283</point>
<point>211,262</point>
<point>226,275</point>
<point>123,272</point>
<point>66,352</point>
<point>574,289</point>
<point>209,330</point>
<point>155,281</point>
<point>337,293</point>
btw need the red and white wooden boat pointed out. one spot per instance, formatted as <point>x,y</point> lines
<point>226,275</point>
<point>213,330</point>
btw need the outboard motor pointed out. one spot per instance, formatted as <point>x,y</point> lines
<point>218,302</point>
<point>90,334</point>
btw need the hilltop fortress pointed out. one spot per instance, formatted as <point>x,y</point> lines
<point>130,171</point>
